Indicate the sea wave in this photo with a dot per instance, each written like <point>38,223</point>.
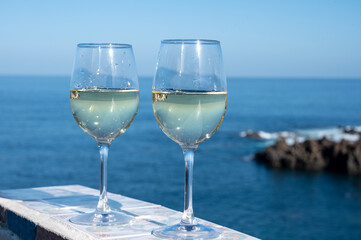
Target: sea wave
<point>336,134</point>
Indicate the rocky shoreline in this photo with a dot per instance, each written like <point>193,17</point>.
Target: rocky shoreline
<point>321,154</point>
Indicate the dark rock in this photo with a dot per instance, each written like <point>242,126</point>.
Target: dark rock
<point>349,130</point>
<point>317,155</point>
<point>254,135</point>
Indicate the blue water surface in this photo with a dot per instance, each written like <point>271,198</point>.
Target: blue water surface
<point>41,145</point>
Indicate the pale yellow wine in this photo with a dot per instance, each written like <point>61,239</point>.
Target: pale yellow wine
<point>189,118</point>
<point>104,114</point>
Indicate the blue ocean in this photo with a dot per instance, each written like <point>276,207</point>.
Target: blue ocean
<point>41,145</point>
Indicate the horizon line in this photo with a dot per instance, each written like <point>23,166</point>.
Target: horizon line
<point>228,77</point>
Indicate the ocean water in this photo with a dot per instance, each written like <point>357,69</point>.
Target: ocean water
<point>41,145</point>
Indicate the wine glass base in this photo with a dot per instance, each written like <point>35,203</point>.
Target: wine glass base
<point>98,219</point>
<point>181,231</point>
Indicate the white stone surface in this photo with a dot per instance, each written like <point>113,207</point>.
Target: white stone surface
<point>51,208</point>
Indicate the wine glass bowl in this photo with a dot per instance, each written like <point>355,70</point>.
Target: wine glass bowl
<point>189,103</point>
<point>189,118</point>
<point>104,114</point>
<point>104,99</point>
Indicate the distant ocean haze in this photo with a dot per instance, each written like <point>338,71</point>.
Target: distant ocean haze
<point>41,145</point>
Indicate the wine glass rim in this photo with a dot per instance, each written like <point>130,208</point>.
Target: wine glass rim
<point>190,41</point>
<point>104,45</point>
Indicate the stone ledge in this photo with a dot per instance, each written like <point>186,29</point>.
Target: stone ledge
<point>42,233</point>
<point>21,226</point>
<point>43,213</point>
<point>30,225</point>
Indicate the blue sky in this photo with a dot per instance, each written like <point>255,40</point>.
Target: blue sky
<point>318,38</point>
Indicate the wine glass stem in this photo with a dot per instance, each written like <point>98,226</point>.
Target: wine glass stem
<point>188,216</point>
<point>103,206</point>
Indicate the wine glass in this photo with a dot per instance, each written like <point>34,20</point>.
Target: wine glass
<point>189,102</point>
<point>104,99</point>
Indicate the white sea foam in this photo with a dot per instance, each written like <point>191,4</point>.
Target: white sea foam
<point>335,134</point>
<point>266,135</point>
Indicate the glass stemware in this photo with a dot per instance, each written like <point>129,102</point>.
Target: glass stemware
<point>104,99</point>
<point>189,102</point>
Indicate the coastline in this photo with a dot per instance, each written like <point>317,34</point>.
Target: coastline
<point>336,150</point>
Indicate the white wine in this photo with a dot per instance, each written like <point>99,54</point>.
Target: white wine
<point>188,117</point>
<point>104,114</point>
